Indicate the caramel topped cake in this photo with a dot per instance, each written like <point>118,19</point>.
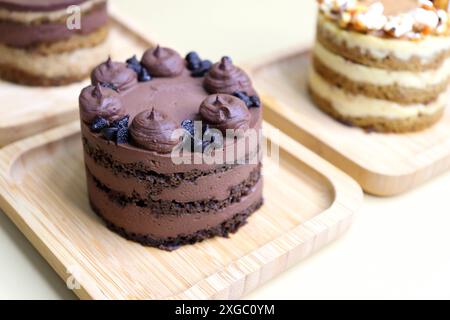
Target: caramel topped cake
<point>382,65</point>
<point>51,42</point>
<point>147,126</point>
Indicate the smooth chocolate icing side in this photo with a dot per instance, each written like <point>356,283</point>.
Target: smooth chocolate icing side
<point>154,131</point>
<point>38,5</point>
<point>98,101</point>
<point>224,77</point>
<point>116,74</point>
<point>25,35</point>
<point>163,62</point>
<point>224,112</point>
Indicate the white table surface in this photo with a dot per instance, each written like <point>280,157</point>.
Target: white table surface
<point>397,248</point>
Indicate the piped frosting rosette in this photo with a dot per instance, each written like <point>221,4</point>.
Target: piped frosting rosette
<point>163,62</point>
<point>115,74</point>
<point>153,130</point>
<point>96,101</point>
<point>225,77</point>
<point>225,112</point>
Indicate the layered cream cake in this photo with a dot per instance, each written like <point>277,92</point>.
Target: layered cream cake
<point>382,65</point>
<point>51,42</point>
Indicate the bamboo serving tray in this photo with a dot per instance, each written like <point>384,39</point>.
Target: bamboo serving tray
<point>308,203</point>
<point>29,110</point>
<point>383,164</point>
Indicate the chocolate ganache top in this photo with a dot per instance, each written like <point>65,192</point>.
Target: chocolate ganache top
<point>173,94</point>
<point>38,5</point>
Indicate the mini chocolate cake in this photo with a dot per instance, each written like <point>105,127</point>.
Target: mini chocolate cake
<point>51,42</point>
<point>148,124</point>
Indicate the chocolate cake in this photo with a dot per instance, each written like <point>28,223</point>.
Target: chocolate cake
<point>148,127</point>
<point>382,65</point>
<point>51,42</point>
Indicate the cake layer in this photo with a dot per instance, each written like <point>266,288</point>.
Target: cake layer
<point>22,66</point>
<point>20,35</point>
<point>142,221</point>
<point>169,174</point>
<point>40,15</point>
<point>378,124</point>
<point>361,84</point>
<point>38,5</point>
<point>226,228</point>
<point>381,77</point>
<point>384,53</point>
<point>68,45</point>
<point>362,106</point>
<point>195,187</point>
<point>173,207</point>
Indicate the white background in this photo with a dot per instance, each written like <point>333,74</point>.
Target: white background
<point>397,248</point>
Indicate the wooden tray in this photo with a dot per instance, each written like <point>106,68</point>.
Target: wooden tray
<point>308,204</point>
<point>26,110</point>
<point>384,164</point>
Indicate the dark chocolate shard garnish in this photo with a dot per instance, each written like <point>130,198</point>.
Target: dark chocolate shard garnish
<point>99,124</point>
<point>110,134</point>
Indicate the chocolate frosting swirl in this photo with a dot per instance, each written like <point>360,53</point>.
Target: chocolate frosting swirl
<point>116,74</point>
<point>153,130</point>
<point>224,77</point>
<point>98,101</point>
<point>223,111</point>
<point>163,62</point>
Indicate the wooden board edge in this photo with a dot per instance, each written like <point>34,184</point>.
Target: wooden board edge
<point>246,274</point>
<point>51,122</point>
<point>296,244</point>
<point>10,202</point>
<point>377,183</point>
<point>127,23</point>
